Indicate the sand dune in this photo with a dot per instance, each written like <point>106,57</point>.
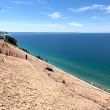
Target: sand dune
<point>27,85</point>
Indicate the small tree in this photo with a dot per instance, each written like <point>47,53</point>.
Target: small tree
<point>11,40</point>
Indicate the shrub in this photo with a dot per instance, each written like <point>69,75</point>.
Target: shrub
<point>24,50</point>
<point>39,57</point>
<point>11,40</point>
<point>0,50</point>
<point>1,37</point>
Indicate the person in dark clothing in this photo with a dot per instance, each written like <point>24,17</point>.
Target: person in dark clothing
<point>26,57</point>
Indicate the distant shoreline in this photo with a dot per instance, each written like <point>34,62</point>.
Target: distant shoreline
<point>67,32</point>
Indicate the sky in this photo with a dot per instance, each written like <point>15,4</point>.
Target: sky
<point>88,16</point>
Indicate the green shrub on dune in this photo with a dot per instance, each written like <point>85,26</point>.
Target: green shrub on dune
<point>11,40</point>
<point>39,57</point>
<point>24,50</point>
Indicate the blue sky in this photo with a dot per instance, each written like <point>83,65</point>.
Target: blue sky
<point>55,15</point>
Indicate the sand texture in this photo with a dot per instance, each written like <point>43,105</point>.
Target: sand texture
<point>27,85</point>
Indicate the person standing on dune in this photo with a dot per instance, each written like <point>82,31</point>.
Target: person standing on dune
<point>26,56</point>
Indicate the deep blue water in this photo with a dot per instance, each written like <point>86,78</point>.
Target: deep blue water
<point>85,55</point>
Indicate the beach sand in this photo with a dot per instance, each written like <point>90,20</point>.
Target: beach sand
<point>27,85</point>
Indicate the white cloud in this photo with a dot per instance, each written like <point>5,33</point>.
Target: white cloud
<point>92,7</point>
<point>54,15</point>
<point>38,3</point>
<point>100,7</point>
<point>27,2</point>
<point>75,24</point>
<point>108,9</point>
<point>19,2</point>
<point>83,9</point>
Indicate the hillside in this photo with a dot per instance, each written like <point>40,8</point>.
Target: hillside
<point>27,85</point>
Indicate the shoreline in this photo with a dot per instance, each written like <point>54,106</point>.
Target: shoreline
<point>47,82</point>
<point>99,87</point>
<point>84,81</point>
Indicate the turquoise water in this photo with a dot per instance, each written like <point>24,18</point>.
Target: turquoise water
<point>85,55</point>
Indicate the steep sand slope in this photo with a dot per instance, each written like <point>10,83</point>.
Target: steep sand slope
<point>27,85</point>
